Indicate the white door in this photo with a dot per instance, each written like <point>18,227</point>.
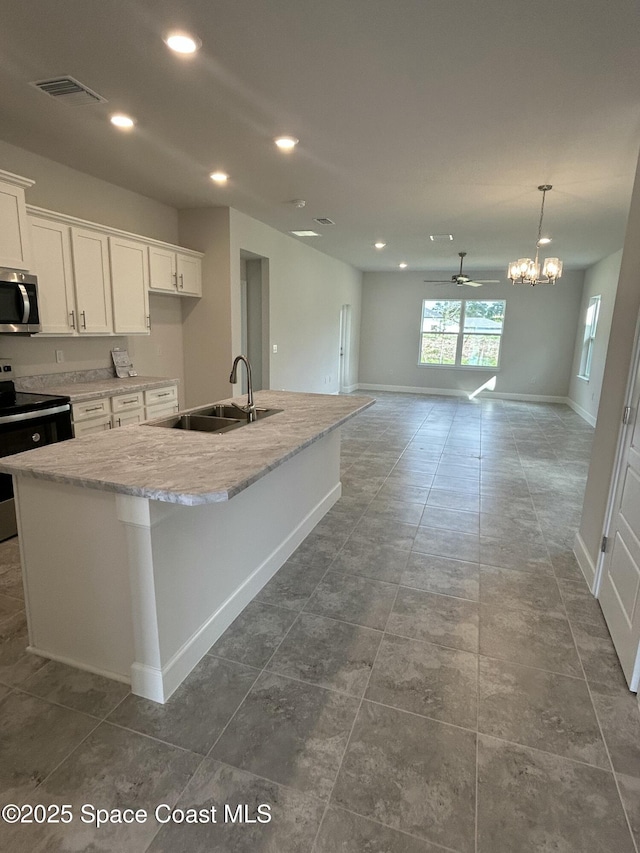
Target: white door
<point>620,589</point>
<point>93,286</point>
<point>51,242</point>
<point>345,348</point>
<point>130,285</point>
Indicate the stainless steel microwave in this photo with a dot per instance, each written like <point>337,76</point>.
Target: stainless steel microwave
<point>18,303</point>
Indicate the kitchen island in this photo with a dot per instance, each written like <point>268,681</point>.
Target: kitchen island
<point>141,545</point>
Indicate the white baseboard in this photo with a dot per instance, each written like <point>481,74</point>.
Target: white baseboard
<point>587,566</point>
<point>349,389</point>
<point>114,676</point>
<point>158,684</point>
<point>584,414</point>
<point>456,392</point>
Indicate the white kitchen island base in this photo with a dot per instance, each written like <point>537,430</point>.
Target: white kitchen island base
<point>138,589</point>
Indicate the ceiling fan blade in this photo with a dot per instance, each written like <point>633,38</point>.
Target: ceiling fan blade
<point>436,281</point>
<point>488,280</point>
<point>473,283</point>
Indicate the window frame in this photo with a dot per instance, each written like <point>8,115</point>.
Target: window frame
<point>590,330</point>
<point>460,336</point>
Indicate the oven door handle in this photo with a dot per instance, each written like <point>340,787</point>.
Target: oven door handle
<point>26,304</point>
<point>32,416</point>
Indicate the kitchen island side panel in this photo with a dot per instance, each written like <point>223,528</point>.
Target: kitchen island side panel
<point>76,576</point>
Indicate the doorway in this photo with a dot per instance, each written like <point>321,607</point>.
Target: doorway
<point>254,307</point>
<point>344,352</point>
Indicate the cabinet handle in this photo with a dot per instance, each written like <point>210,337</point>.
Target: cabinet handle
<point>164,394</point>
<point>126,402</point>
<point>175,279</point>
<point>181,281</point>
<point>73,319</point>
<point>84,320</point>
<point>119,422</point>
<point>148,321</point>
<point>94,409</point>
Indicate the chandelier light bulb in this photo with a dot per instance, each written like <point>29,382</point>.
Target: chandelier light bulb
<point>527,271</point>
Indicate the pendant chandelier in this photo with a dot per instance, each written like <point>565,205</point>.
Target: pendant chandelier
<point>527,271</point>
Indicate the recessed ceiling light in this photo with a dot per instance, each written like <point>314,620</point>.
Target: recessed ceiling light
<point>402,265</point>
<point>286,143</point>
<point>437,238</point>
<point>122,121</point>
<point>305,233</point>
<point>379,244</point>
<point>219,177</point>
<point>182,43</point>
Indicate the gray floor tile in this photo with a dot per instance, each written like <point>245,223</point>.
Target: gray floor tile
<point>514,589</point>
<point>564,563</point>
<point>523,528</point>
<point>349,833</point>
<point>197,712</point>
<point>10,606</point>
<point>442,575</point>
<point>10,569</point>
<point>16,663</point>
<point>515,554</point>
<point>34,738</point>
<point>328,653</point>
<point>292,733</point>
<point>529,637</point>
<point>630,793</point>
<point>464,472</point>
<point>458,484</point>
<point>451,519</point>
<point>580,604</point>
<point>514,508</point>
<point>318,550</point>
<point>620,720</point>
<point>295,817</point>
<point>389,509</point>
<point>392,534</point>
<point>112,769</point>
<point>530,801</point>
<point>598,657</point>
<point>255,635</point>
<point>539,709</point>
<point>447,543</point>
<point>402,492</point>
<point>74,688</point>
<point>372,560</point>
<point>352,598</point>
<point>412,774</point>
<point>462,501</point>
<point>4,691</point>
<point>291,586</point>
<point>426,679</point>
<point>439,619</point>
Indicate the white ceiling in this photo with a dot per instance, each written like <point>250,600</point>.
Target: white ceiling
<point>414,117</point>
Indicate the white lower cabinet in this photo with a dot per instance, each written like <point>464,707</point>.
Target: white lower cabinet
<point>118,410</point>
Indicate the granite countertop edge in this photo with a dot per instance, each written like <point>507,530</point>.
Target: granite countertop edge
<point>81,391</point>
<point>24,467</point>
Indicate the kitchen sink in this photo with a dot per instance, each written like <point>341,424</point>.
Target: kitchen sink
<point>216,419</point>
<point>226,411</point>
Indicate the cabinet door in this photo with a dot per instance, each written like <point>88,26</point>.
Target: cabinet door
<point>15,248</point>
<point>162,269</point>
<point>93,286</point>
<point>129,285</point>
<point>51,244</point>
<point>189,275</point>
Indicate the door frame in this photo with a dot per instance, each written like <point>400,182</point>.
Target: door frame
<point>344,349</point>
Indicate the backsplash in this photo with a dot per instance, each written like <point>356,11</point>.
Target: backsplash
<point>48,380</point>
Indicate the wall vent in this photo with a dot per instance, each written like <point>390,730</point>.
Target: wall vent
<point>70,91</point>
<point>323,220</point>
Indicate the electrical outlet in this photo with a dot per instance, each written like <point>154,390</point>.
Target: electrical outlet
<point>59,356</point>
<point>274,348</point>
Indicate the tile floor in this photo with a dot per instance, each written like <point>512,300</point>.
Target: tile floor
<point>428,672</point>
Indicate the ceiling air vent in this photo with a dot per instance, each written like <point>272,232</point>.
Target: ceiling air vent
<point>322,220</point>
<point>70,91</point>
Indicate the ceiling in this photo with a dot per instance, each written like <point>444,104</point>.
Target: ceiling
<point>414,117</point>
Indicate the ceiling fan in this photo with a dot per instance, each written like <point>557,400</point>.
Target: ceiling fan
<point>461,278</point>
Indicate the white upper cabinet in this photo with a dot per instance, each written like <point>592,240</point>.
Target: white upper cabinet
<point>130,286</point>
<point>51,244</point>
<point>174,272</point>
<point>15,246</point>
<point>92,279</point>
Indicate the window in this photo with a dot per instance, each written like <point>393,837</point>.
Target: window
<point>461,332</point>
<point>590,326</point>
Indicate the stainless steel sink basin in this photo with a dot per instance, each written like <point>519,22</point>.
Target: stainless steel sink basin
<point>200,423</point>
<point>215,419</point>
<point>227,411</point>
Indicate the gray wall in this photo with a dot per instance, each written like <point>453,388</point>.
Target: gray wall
<point>600,280</point>
<point>537,347</point>
<point>616,373</point>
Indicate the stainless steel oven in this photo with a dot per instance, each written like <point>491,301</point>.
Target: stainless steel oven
<point>27,421</point>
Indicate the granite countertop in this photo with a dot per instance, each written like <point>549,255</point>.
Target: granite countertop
<point>80,391</point>
<point>188,467</point>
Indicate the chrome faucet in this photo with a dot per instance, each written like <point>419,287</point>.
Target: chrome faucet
<point>250,409</point>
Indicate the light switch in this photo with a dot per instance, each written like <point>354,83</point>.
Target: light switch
<point>274,348</point>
